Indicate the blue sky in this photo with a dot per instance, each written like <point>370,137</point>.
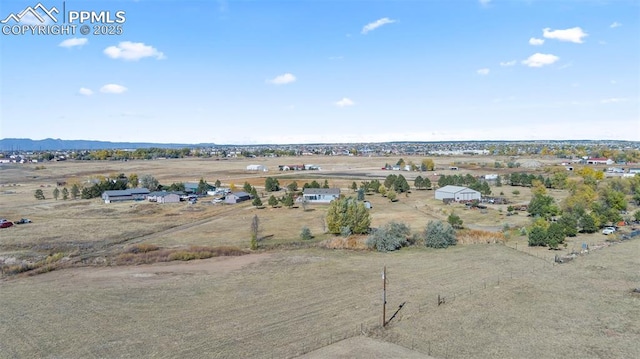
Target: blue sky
<point>243,72</point>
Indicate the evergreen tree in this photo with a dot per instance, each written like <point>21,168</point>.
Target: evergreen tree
<point>39,194</point>
<point>287,200</point>
<point>271,184</point>
<point>305,234</point>
<point>75,191</point>
<point>555,235</point>
<point>65,193</point>
<point>400,185</point>
<point>537,236</point>
<point>257,201</point>
<point>455,221</point>
<point>56,193</point>
<point>273,201</point>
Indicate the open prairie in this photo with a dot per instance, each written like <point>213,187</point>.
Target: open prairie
<point>290,298</point>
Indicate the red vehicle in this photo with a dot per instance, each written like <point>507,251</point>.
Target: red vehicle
<point>6,224</point>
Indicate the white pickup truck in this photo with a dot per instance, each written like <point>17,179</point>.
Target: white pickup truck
<point>608,230</point>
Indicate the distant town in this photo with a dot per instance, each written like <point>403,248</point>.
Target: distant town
<point>617,152</point>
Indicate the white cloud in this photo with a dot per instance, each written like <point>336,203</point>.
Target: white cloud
<point>615,24</point>
<point>536,42</point>
<point>376,24</point>
<point>574,34</point>
<point>133,51</point>
<point>85,91</point>
<point>283,79</point>
<point>113,88</point>
<point>73,42</point>
<point>484,71</point>
<point>484,2</point>
<point>614,100</point>
<point>508,63</point>
<point>345,102</point>
<point>539,60</point>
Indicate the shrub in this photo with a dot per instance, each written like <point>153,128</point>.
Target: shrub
<point>305,235</point>
<point>439,235</point>
<point>455,221</point>
<point>537,236</point>
<point>390,237</point>
<point>142,248</point>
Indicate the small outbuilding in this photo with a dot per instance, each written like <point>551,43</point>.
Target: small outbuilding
<point>164,197</point>
<point>457,193</point>
<point>132,194</point>
<point>257,168</point>
<point>237,197</point>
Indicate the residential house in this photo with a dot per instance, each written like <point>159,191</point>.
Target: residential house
<point>320,195</point>
<point>192,187</point>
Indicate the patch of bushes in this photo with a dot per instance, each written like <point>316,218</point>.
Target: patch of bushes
<point>47,264</point>
<point>438,234</point>
<point>142,248</point>
<point>149,253</point>
<point>475,236</point>
<point>390,237</point>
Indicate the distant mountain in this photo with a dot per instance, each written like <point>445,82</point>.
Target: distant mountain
<point>51,144</point>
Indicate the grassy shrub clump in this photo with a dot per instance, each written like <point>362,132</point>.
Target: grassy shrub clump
<point>142,248</point>
<point>439,235</point>
<point>390,237</point>
<point>149,253</point>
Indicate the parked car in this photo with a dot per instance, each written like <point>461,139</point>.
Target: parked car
<point>23,221</point>
<point>6,224</point>
<point>608,230</point>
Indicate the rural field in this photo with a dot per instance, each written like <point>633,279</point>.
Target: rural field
<point>292,298</point>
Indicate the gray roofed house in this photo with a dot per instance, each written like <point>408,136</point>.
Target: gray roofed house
<point>320,195</point>
<point>125,195</point>
<point>237,197</point>
<point>192,187</point>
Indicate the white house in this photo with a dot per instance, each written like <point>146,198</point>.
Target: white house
<point>457,193</point>
<point>320,195</point>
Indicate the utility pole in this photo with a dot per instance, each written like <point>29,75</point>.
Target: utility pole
<point>384,296</point>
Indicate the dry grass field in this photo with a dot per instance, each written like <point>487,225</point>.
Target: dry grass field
<point>289,299</point>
